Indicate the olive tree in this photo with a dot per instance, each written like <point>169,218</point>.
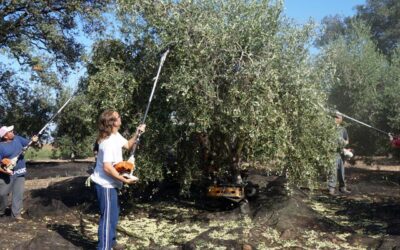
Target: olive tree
<point>238,89</point>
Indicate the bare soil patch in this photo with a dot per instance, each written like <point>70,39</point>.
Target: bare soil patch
<point>61,213</point>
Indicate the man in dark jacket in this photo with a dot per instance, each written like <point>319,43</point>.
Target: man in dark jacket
<point>337,172</point>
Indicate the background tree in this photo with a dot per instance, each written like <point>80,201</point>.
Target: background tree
<point>333,28</point>
<point>41,37</point>
<point>390,109</point>
<point>365,78</point>
<point>74,135</point>
<point>382,16</point>
<point>112,78</point>
<point>23,107</point>
<point>361,86</point>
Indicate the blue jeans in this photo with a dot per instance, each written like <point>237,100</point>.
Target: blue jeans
<point>337,173</point>
<point>109,212</point>
<point>16,186</point>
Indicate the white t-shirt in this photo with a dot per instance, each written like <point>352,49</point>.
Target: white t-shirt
<point>110,150</point>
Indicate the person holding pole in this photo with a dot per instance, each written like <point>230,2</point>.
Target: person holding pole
<point>337,172</point>
<point>106,178</point>
<point>12,170</point>
<point>394,141</point>
<point>13,167</point>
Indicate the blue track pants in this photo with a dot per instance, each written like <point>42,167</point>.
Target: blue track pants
<point>109,212</point>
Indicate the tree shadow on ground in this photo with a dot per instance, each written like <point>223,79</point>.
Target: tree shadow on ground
<point>71,234</point>
<point>373,206</point>
<point>369,216</point>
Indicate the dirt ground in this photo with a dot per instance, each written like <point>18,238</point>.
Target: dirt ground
<point>61,213</point>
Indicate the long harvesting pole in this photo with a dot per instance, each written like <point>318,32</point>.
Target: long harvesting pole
<point>363,123</point>
<point>162,60</point>
<point>163,57</point>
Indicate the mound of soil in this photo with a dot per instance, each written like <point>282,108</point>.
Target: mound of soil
<point>46,240</point>
<point>57,169</point>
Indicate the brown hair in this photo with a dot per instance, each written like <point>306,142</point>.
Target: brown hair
<point>106,124</point>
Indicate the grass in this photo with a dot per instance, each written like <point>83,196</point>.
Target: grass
<point>44,153</point>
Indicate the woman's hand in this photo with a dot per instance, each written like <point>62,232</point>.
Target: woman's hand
<point>141,128</point>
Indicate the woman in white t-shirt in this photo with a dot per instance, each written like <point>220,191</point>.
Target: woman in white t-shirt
<point>106,178</point>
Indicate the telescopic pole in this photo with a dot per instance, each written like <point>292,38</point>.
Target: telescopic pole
<point>15,159</point>
<point>51,119</point>
<point>362,123</point>
<point>163,57</point>
<point>162,60</point>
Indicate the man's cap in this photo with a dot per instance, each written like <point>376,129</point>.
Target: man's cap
<point>336,114</point>
<point>4,130</point>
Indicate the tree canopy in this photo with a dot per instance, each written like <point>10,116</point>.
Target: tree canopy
<point>238,89</point>
<point>41,38</point>
<point>382,16</point>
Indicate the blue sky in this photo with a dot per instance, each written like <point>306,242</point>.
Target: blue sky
<point>302,10</point>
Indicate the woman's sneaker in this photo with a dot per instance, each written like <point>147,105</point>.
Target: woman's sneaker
<point>345,190</point>
<point>18,218</point>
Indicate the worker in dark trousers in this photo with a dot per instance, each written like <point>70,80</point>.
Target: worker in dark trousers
<point>337,171</point>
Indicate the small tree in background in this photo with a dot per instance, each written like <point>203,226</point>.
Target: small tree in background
<point>363,85</point>
<point>74,135</point>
